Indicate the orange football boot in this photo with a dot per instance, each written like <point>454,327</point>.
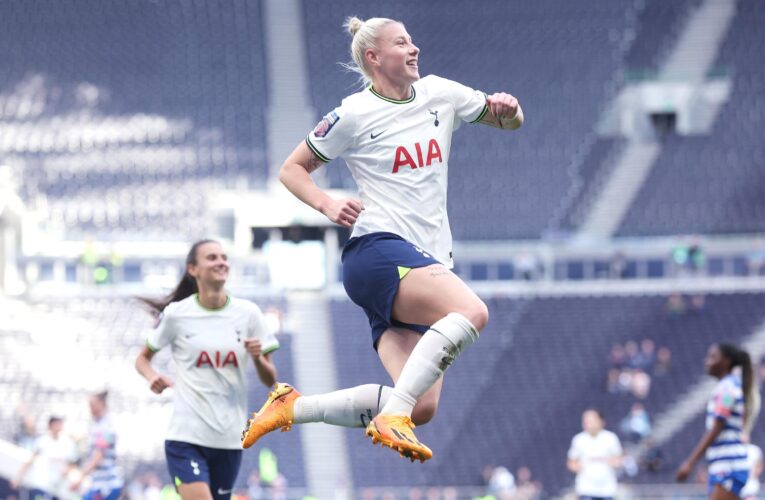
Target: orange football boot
<point>395,431</point>
<point>276,412</point>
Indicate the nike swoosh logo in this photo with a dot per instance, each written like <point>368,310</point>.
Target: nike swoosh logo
<point>223,492</point>
<point>372,135</point>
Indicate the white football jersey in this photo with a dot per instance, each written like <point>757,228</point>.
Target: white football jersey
<point>210,400</point>
<point>398,154</point>
<point>597,478</point>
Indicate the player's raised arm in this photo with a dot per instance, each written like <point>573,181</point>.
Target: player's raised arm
<point>504,112</point>
<point>295,174</point>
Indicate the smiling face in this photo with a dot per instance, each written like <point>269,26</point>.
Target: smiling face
<point>211,267</point>
<point>395,57</point>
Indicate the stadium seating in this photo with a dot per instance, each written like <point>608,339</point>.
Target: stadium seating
<point>516,397</point>
<point>127,101</point>
<point>713,184</point>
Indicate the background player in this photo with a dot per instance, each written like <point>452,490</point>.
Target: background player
<point>210,334</point>
<point>106,478</point>
<point>729,410</point>
<point>594,456</point>
<point>395,137</point>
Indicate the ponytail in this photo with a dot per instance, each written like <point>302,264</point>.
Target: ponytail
<point>740,357</point>
<point>185,288</point>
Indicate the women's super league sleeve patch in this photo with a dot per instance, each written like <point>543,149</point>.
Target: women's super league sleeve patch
<point>325,125</point>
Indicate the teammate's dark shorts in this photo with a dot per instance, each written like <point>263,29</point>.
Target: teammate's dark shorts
<point>188,463</point>
<point>373,266</point>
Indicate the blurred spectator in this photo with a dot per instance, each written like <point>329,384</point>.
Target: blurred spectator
<point>26,429</point>
<point>675,305</point>
<point>653,458</point>
<point>525,487</point>
<point>618,266</point>
<point>663,361</point>
<point>637,424</point>
<point>616,361</point>
<point>501,483</point>
<point>755,260</point>
<point>632,353</point>
<point>647,355</point>
<point>698,301</point>
<point>527,265</point>
<point>689,259</point>
<point>254,489</point>
<point>640,384</point>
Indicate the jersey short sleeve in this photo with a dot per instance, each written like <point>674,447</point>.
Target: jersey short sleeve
<point>575,452</point>
<point>258,329</point>
<point>469,105</point>
<point>616,446</point>
<point>332,135</point>
<point>163,334</point>
<point>724,401</point>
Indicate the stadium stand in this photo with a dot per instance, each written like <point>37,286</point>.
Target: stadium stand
<point>712,184</point>
<point>103,109</point>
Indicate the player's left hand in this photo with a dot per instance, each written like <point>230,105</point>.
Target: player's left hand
<point>502,105</point>
<point>684,471</point>
<point>254,347</point>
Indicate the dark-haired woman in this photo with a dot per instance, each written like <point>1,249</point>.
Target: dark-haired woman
<point>729,412</point>
<point>105,475</point>
<point>210,334</point>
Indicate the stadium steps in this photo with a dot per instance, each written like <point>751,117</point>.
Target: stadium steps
<point>629,174</point>
<point>290,115</point>
<point>314,367</point>
<point>696,49</point>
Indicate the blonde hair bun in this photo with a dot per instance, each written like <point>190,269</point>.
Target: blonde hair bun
<point>353,24</point>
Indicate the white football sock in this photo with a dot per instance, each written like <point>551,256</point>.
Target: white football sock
<point>432,355</point>
<point>354,407</point>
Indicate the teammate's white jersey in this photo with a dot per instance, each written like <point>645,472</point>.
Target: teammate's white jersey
<point>398,154</point>
<point>597,477</point>
<point>210,400</point>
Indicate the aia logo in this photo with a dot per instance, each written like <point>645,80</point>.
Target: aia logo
<point>404,158</point>
<point>216,361</point>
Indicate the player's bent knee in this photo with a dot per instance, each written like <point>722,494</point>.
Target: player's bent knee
<point>478,314</point>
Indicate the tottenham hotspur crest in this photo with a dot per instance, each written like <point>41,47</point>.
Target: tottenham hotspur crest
<point>435,114</point>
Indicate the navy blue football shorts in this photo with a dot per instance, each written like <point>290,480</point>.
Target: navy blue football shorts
<point>373,266</point>
<point>189,463</point>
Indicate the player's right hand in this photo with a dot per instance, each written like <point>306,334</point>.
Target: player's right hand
<point>159,384</point>
<point>344,212</point>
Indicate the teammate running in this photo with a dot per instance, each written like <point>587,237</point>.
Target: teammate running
<point>211,334</point>
<point>729,411</point>
<point>395,137</point>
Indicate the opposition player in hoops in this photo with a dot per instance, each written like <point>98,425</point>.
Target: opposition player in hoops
<point>730,411</point>
<point>101,465</point>
<point>395,137</point>
<point>211,335</point>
